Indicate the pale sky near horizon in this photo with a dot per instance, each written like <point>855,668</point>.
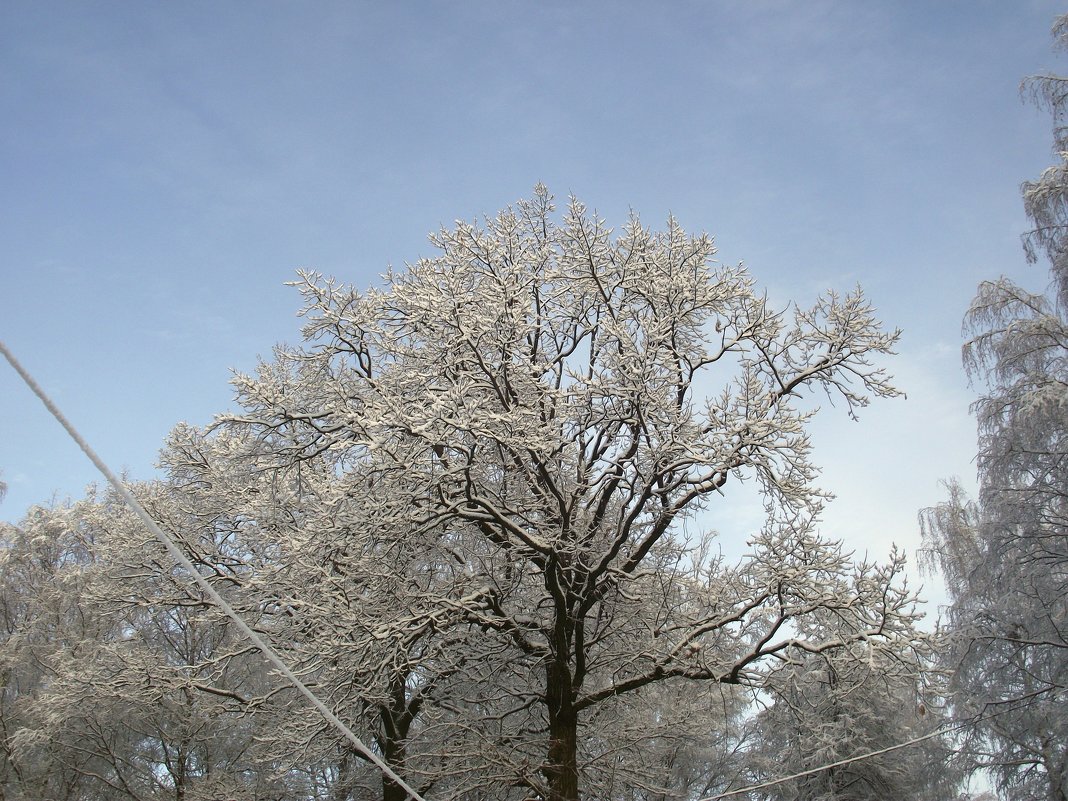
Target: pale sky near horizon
<point>167,167</point>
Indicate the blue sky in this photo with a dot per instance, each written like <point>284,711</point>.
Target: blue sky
<point>168,166</point>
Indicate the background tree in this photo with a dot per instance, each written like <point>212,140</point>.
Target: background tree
<point>1005,555</point>
<point>827,707</point>
<point>43,568</point>
<point>122,683</point>
<point>357,597</point>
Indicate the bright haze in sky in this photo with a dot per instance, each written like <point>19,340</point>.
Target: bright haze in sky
<point>167,168</point>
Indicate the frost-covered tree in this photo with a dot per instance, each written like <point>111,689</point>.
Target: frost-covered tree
<point>42,573</point>
<point>1005,554</point>
<point>557,400</point>
<point>120,681</point>
<point>364,601</point>
<point>825,708</point>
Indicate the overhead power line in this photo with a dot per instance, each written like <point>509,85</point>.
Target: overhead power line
<point>829,765</point>
<point>1010,705</point>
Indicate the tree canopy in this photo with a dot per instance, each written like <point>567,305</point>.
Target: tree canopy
<point>457,510</point>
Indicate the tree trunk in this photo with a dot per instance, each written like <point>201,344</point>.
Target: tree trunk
<point>393,755</point>
<point>396,722</point>
<point>1055,761</point>
<point>561,769</point>
<point>1058,785</point>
